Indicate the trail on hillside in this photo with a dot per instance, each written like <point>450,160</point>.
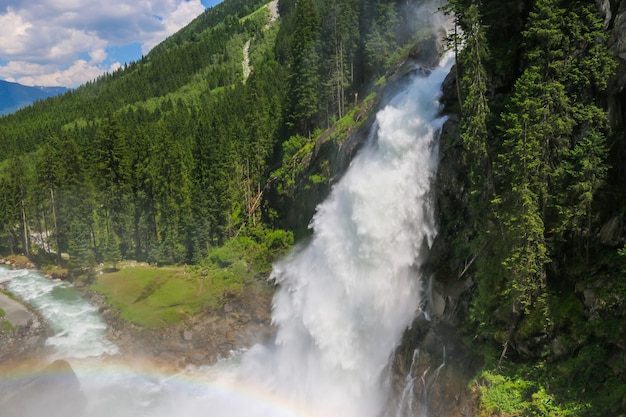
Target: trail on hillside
<point>273,9</point>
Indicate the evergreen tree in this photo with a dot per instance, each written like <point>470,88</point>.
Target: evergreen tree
<point>551,159</point>
<point>112,253</point>
<point>75,198</point>
<point>48,180</point>
<point>381,39</point>
<point>80,249</point>
<point>522,165</point>
<point>304,83</point>
<point>113,174</point>
<point>18,190</point>
<point>475,110</point>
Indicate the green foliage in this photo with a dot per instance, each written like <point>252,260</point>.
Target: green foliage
<point>304,84</point>
<point>296,150</point>
<point>112,253</point>
<point>80,250</point>
<point>571,387</point>
<point>475,109</point>
<point>543,165</point>
<point>378,43</point>
<point>5,325</point>
<point>507,397</point>
<point>252,252</point>
<point>170,155</point>
<point>535,143</point>
<point>291,146</point>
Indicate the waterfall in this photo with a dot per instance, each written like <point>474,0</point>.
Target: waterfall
<point>344,298</point>
<point>405,407</point>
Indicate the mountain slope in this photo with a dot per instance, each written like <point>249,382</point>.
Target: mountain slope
<point>169,157</point>
<point>14,96</point>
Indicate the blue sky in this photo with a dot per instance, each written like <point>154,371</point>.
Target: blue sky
<point>69,42</point>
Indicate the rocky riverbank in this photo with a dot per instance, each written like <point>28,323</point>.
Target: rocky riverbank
<point>23,330</point>
<point>20,338</point>
<point>200,339</point>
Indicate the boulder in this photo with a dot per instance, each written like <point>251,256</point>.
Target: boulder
<point>52,392</point>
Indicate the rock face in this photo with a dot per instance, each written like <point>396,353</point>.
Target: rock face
<point>52,392</point>
<point>614,12</point>
<point>333,151</point>
<point>432,365</point>
<point>22,331</point>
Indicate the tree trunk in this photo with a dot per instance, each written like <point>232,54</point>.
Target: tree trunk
<point>56,228</point>
<point>25,225</point>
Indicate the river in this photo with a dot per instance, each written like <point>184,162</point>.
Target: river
<point>78,330</point>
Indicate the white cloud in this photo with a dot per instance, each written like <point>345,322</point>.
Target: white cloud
<point>182,13</point>
<point>66,41</point>
<point>97,55</point>
<point>78,73</point>
<point>13,34</point>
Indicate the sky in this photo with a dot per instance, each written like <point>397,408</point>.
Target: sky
<point>69,42</point>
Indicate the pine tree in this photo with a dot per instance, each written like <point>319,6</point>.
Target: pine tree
<point>80,248</point>
<point>524,178</point>
<point>113,175</point>
<point>19,193</point>
<point>112,253</point>
<point>48,181</point>
<point>304,80</point>
<point>475,110</point>
<point>551,160</point>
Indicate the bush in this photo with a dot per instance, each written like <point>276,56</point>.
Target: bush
<point>514,396</point>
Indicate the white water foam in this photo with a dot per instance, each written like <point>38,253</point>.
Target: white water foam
<point>345,298</point>
<point>78,330</point>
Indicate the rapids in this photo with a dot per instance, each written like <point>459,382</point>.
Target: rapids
<point>79,332</point>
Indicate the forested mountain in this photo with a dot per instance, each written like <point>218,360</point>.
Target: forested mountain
<point>168,156</point>
<point>14,96</point>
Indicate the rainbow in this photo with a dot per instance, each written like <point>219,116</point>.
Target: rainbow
<point>138,387</point>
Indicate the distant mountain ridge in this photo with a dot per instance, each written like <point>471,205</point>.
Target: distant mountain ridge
<point>14,96</point>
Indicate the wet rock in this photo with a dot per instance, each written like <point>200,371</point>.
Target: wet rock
<point>199,357</point>
<point>52,392</point>
<point>22,338</point>
<point>438,305</point>
<point>589,298</point>
<point>430,372</point>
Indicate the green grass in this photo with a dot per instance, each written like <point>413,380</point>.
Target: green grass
<point>261,14</point>
<point>155,297</point>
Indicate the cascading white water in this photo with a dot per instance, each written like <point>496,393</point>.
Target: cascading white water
<point>78,330</point>
<point>344,299</point>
